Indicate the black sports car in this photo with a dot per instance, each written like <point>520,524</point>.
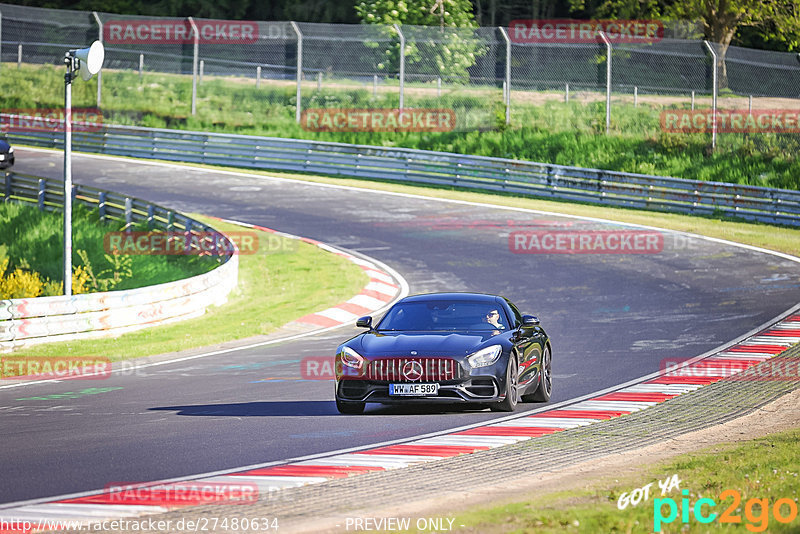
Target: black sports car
<point>446,347</point>
<point>6,154</point>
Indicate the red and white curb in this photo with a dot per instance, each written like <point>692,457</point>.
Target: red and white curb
<point>268,480</point>
<point>382,288</point>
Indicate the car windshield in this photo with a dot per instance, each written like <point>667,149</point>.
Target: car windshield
<point>444,315</point>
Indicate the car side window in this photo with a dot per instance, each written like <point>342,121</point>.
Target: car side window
<point>517,314</point>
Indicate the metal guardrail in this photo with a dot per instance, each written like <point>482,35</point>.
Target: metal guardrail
<point>44,319</point>
<point>763,204</point>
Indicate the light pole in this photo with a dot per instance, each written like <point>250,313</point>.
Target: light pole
<point>88,61</point>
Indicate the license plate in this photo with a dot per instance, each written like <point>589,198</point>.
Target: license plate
<point>414,390</point>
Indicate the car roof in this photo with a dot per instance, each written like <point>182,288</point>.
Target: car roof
<point>472,297</point>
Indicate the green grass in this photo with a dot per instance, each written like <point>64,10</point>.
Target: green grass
<point>33,240</point>
<point>542,130</point>
<point>275,287</point>
<point>764,468</point>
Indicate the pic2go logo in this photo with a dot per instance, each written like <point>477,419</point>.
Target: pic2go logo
<point>756,511</point>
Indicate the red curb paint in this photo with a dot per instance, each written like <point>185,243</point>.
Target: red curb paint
<point>584,414</point>
<point>426,450</point>
<point>769,349</point>
<point>329,471</point>
<point>636,397</point>
<point>531,431</point>
<point>703,380</point>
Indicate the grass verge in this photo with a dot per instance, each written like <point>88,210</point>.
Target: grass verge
<point>759,474</point>
<point>275,287</point>
<point>542,129</point>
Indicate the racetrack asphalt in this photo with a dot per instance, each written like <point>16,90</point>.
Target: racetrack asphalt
<point>611,318</point>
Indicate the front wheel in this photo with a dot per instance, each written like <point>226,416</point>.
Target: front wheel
<point>545,389</point>
<point>512,389</point>
<point>350,408</point>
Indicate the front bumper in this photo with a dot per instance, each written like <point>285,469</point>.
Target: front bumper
<point>475,389</point>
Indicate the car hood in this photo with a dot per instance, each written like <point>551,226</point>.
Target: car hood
<point>4,146</point>
<point>372,344</point>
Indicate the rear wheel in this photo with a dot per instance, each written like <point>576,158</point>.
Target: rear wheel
<point>542,393</point>
<point>350,408</point>
<point>512,388</point>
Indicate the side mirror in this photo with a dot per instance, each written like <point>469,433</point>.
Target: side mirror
<point>529,321</point>
<point>364,322</point>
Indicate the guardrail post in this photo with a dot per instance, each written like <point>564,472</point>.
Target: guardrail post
<point>151,217</point>
<point>128,214</point>
<point>299,106</point>
<point>101,205</point>
<point>8,187</point>
<point>100,72</point>
<point>508,74</point>
<point>40,196</point>
<point>713,96</point>
<point>402,63</point>
<point>196,52</point>
<point>170,221</point>
<point>607,42</point>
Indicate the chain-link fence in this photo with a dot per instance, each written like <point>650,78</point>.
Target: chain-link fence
<point>166,72</point>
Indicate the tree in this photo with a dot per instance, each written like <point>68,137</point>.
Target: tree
<point>722,20</point>
<point>448,52</point>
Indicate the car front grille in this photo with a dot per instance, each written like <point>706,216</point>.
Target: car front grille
<point>433,369</point>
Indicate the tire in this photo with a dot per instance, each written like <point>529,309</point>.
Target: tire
<point>545,389</point>
<point>509,404</point>
<point>350,408</point>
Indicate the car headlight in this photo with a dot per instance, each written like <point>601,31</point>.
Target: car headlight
<point>485,357</point>
<point>351,358</point>
<point>11,150</point>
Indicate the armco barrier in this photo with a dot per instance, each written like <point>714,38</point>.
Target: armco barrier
<point>474,172</point>
<point>44,319</point>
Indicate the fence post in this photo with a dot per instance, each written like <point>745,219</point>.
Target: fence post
<point>402,62</point>
<point>101,205</point>
<point>202,71</point>
<point>375,86</point>
<point>299,106</point>
<point>19,56</point>
<point>608,80</point>
<point>692,100</point>
<point>258,77</point>
<point>141,66</point>
<point>40,196</point>
<point>508,74</point>
<point>713,96</point>
<point>100,72</point>
<point>196,52</point>
<point>566,93</point>
<point>635,96</point>
<point>128,214</point>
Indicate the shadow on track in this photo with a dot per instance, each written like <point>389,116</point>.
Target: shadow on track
<point>303,408</point>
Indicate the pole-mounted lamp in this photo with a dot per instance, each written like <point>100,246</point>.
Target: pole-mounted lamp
<point>88,61</point>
